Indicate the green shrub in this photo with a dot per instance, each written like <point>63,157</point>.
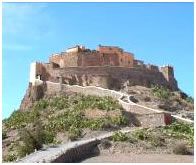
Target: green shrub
<point>30,143</point>
<point>74,115</point>
<point>190,100</point>
<point>34,139</point>
<point>10,158</point>
<point>41,104</point>
<point>180,130</point>
<point>120,120</point>
<point>156,141</point>
<point>160,92</point>
<point>103,103</point>
<point>18,119</point>
<point>4,134</point>
<point>74,133</point>
<point>141,135</point>
<point>119,136</point>
<point>60,102</point>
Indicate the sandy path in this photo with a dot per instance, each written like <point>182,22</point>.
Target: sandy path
<point>140,158</point>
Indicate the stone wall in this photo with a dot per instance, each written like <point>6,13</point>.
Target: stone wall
<point>77,153</point>
<point>103,57</point>
<point>65,59</point>
<point>110,77</point>
<point>154,119</point>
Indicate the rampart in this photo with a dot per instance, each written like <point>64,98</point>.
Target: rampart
<point>110,77</point>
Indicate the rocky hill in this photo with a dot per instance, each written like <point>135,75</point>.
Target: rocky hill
<point>68,116</point>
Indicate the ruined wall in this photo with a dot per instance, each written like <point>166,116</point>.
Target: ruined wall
<point>97,59</point>
<point>40,71</point>
<point>109,50</point>
<point>65,59</point>
<point>125,59</point>
<point>110,77</point>
<point>102,57</point>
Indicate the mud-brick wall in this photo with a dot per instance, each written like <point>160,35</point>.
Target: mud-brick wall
<point>65,59</point>
<point>93,58</point>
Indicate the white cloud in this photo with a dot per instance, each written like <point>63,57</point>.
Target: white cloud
<point>25,20</point>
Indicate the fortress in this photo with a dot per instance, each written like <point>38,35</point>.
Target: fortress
<point>108,67</point>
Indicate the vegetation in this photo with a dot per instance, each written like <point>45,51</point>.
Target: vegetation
<point>180,130</point>
<point>187,98</point>
<point>176,131</point>
<point>160,92</point>
<point>20,119</point>
<point>73,119</point>
<point>119,136</point>
<point>10,158</point>
<point>40,124</point>
<point>4,134</point>
<point>145,135</point>
<point>34,140</point>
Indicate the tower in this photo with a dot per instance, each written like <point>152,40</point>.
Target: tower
<point>168,72</point>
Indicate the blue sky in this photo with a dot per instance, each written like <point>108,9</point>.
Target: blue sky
<point>157,33</point>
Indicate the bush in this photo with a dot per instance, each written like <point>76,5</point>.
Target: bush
<point>74,133</point>
<point>19,119</point>
<point>119,136</point>
<point>74,115</point>
<point>180,149</point>
<point>103,103</point>
<point>141,135</point>
<point>32,140</point>
<point>180,130</point>
<point>10,158</point>
<point>41,104</point>
<point>60,102</point>
<point>190,100</point>
<point>30,143</point>
<point>156,141</point>
<point>4,134</point>
<point>161,92</point>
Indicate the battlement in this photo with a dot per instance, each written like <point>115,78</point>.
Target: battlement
<point>77,48</point>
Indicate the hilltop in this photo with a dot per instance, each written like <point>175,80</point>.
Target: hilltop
<point>65,117</point>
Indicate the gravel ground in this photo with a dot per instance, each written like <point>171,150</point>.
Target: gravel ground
<point>140,158</point>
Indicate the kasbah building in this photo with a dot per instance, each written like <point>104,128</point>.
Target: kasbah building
<point>108,67</point>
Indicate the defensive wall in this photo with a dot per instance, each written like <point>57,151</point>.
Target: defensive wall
<point>111,77</point>
<point>104,55</point>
